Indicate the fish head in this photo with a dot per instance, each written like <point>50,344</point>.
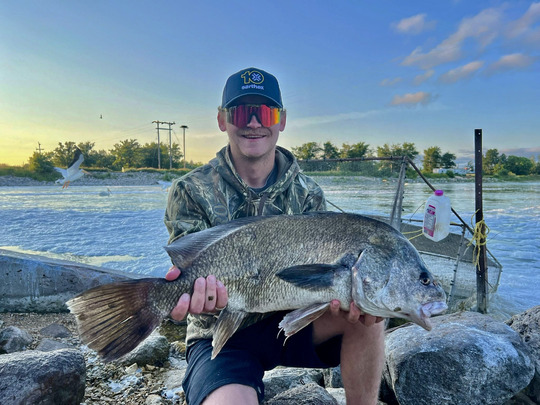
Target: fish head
<point>390,279</point>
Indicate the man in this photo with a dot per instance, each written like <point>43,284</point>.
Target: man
<point>253,176</point>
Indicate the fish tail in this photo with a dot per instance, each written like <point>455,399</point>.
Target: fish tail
<point>114,318</point>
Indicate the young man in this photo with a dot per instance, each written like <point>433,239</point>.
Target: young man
<point>253,176</point>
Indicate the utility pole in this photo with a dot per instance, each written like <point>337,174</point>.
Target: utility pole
<point>170,145</point>
<point>158,144</point>
<point>184,127</point>
<point>39,148</point>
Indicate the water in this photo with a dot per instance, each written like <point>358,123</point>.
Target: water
<point>125,230</point>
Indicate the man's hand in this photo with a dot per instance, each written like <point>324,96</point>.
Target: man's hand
<point>209,295</point>
<point>354,315</point>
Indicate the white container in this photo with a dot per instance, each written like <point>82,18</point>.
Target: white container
<point>437,216</point>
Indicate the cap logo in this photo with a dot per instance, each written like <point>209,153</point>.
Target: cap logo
<point>252,77</point>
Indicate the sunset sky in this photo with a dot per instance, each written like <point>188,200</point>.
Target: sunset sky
<point>350,71</point>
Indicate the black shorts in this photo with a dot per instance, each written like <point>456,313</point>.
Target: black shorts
<point>249,353</point>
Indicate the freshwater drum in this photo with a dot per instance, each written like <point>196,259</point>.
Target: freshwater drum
<point>437,216</point>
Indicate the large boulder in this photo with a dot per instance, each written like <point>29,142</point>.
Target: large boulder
<point>35,377</point>
<point>468,358</point>
<point>527,324</point>
<point>13,339</point>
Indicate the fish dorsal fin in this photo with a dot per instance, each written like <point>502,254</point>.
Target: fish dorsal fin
<point>227,323</point>
<point>302,317</point>
<point>311,276</point>
<point>184,250</point>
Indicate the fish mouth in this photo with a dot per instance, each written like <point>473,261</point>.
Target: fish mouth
<point>421,317</point>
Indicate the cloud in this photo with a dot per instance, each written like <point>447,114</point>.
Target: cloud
<point>484,27</point>
<point>414,25</point>
<point>329,119</point>
<point>462,72</point>
<point>524,25</point>
<point>391,82</point>
<point>423,77</point>
<point>411,99</point>
<point>509,62</point>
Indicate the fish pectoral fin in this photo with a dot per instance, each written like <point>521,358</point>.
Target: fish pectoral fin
<point>311,276</point>
<point>302,317</point>
<point>227,323</point>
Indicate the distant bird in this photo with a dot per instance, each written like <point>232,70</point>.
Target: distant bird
<point>101,116</point>
<point>73,172</point>
<point>105,193</point>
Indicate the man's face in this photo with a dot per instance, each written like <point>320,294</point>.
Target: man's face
<point>253,141</point>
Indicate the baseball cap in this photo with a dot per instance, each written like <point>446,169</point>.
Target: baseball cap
<point>251,81</point>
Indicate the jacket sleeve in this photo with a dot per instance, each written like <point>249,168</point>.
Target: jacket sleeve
<point>315,200</point>
<point>183,215</point>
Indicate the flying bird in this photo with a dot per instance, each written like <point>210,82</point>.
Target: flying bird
<point>73,172</point>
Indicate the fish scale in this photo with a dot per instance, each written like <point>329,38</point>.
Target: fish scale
<point>270,263</point>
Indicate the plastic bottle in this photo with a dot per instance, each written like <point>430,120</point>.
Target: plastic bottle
<point>437,216</point>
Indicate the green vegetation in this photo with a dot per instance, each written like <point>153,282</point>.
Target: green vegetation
<point>128,155</point>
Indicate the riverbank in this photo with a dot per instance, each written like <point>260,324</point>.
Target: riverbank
<point>141,178</point>
<point>107,179</point>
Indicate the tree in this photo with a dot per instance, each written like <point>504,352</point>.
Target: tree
<point>432,158</point>
<point>490,160</point>
<point>357,150</point>
<point>407,149</point>
<point>127,153</point>
<point>447,160</point>
<point>307,151</point>
<point>518,165</point>
<point>63,154</point>
<point>330,151</point>
<point>41,163</point>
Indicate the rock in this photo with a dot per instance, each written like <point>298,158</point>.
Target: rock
<point>34,377</point>
<point>13,339</point>
<point>282,379</point>
<point>55,330</point>
<point>332,378</point>
<point>154,400</point>
<point>309,394</point>
<point>49,345</point>
<point>154,350</point>
<point>338,394</point>
<point>527,324</point>
<point>467,358</point>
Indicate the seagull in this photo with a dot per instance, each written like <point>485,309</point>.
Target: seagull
<point>73,172</point>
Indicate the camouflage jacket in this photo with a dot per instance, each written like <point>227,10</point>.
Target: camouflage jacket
<point>214,194</point>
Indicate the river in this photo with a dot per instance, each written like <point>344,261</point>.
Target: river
<point>124,229</point>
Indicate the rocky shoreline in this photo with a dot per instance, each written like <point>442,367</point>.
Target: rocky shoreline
<point>139,178</point>
<point>466,358</point>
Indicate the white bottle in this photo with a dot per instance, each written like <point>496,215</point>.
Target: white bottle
<point>437,216</point>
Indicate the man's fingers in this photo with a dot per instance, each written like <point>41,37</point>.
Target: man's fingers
<point>222,296</point>
<point>211,295</point>
<point>198,298</point>
<point>179,312</point>
<point>172,274</point>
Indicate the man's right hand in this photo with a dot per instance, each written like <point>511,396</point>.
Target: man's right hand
<point>209,295</point>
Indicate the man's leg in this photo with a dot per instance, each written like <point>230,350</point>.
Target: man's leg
<point>232,394</point>
<point>362,351</point>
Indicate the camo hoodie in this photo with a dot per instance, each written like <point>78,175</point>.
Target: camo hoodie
<point>214,194</point>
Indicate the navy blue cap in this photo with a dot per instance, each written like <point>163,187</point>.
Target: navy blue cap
<point>251,81</point>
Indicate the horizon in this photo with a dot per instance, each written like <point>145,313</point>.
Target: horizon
<point>388,73</point>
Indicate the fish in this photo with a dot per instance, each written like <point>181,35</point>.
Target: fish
<point>270,263</point>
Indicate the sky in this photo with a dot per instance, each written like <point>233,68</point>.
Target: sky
<point>378,72</point>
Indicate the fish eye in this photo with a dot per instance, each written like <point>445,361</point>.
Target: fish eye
<point>425,279</point>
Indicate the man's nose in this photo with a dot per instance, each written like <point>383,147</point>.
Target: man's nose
<point>254,122</point>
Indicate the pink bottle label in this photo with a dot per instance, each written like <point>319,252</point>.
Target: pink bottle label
<point>429,220</point>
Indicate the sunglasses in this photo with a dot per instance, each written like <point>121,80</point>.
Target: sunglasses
<point>240,115</point>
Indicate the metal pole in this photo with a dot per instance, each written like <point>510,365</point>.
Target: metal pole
<point>184,127</point>
<point>480,238</point>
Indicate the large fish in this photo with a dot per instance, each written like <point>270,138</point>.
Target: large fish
<point>272,263</point>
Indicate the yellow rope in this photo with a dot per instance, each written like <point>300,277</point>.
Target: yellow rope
<point>479,237</point>
<point>419,232</point>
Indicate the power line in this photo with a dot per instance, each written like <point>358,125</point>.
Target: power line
<point>158,128</point>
